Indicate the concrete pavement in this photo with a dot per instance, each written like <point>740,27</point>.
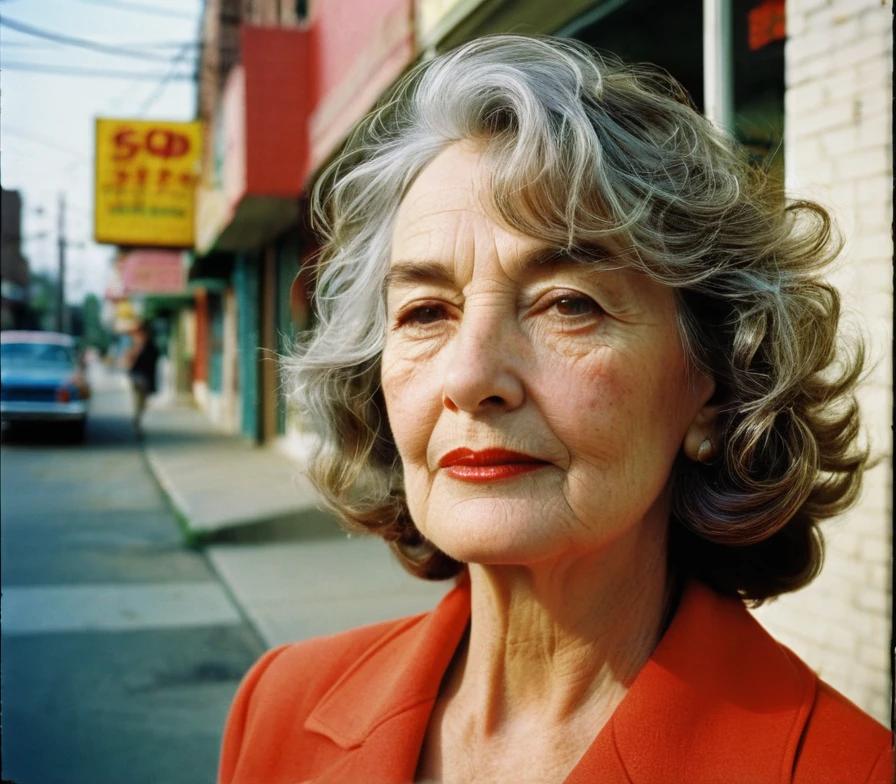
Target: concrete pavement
<point>216,481</point>
<point>121,649</point>
<point>289,566</point>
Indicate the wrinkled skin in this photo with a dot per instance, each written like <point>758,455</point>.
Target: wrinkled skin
<point>580,366</point>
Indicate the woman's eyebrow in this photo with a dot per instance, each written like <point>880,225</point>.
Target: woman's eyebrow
<point>411,272</point>
<point>415,271</point>
<point>542,258</point>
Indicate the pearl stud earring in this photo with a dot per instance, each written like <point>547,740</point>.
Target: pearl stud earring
<point>706,451</point>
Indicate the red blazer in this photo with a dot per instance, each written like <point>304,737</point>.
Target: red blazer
<point>718,701</point>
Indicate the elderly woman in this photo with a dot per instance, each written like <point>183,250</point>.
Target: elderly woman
<point>573,350</point>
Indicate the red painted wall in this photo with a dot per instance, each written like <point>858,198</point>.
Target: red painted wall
<point>360,48</point>
<point>346,27</point>
<point>279,93</point>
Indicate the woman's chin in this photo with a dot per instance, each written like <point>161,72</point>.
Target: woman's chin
<point>499,540</point>
<point>494,556</point>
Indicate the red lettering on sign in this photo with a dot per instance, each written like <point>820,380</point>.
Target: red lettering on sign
<point>126,146</point>
<point>164,177</point>
<point>158,142</point>
<point>766,24</point>
<point>166,144</point>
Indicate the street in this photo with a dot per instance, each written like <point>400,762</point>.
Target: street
<point>121,650</point>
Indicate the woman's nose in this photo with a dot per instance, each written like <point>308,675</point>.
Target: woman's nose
<point>483,374</point>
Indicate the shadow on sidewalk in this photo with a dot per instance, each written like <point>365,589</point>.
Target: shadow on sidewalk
<point>224,488</point>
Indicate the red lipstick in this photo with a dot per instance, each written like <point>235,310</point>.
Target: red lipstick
<point>488,465</point>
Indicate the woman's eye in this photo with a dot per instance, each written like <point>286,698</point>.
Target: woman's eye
<point>576,305</point>
<point>422,315</point>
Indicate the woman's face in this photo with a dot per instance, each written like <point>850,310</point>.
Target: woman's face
<point>537,403</point>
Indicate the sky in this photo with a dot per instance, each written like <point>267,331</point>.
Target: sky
<point>47,119</point>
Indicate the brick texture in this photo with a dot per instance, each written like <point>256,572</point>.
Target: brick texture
<point>838,77</point>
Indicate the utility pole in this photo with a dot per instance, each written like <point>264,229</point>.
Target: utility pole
<point>61,310</point>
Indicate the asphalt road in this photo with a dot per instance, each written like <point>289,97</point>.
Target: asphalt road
<point>121,650</point>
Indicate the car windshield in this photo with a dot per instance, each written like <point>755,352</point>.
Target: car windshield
<point>42,353</point>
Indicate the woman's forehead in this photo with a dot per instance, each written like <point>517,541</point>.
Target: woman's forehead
<point>448,212</point>
<point>453,186</point>
<point>447,226</point>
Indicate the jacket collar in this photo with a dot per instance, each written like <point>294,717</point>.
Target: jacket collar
<point>718,700</point>
<point>400,671</point>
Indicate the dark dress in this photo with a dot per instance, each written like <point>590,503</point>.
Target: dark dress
<point>143,369</point>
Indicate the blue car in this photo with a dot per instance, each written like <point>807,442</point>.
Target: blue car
<point>41,380</point>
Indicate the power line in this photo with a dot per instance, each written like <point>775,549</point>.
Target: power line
<point>199,66</point>
<point>41,163</point>
<point>83,43</point>
<point>34,138</point>
<point>44,45</point>
<point>103,73</point>
<point>157,92</point>
<point>141,8</point>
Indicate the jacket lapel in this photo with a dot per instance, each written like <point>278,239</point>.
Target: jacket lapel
<point>718,700</point>
<point>379,710</point>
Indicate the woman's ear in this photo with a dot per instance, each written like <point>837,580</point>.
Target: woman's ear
<point>701,441</point>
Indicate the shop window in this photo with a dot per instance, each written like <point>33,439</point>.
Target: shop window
<point>645,31</point>
<point>758,55</point>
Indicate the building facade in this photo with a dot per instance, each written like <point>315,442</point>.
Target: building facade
<point>255,89</point>
<point>14,273</point>
<point>837,143</point>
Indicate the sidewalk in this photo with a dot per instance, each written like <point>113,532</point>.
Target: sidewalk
<point>216,481</point>
<point>292,570</point>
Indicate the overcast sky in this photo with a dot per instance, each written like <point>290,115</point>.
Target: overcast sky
<point>46,119</point>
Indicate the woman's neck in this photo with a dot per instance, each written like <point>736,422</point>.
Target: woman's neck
<point>553,641</point>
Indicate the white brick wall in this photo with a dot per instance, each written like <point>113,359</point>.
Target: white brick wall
<point>837,150</point>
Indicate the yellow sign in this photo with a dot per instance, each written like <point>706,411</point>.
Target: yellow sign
<point>145,180</point>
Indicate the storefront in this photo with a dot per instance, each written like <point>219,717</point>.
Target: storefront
<point>249,201</point>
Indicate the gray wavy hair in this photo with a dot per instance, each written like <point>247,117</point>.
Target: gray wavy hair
<point>584,148</point>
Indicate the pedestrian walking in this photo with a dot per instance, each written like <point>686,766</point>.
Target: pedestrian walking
<point>142,360</point>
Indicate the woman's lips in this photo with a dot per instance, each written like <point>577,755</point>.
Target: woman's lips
<point>488,465</point>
